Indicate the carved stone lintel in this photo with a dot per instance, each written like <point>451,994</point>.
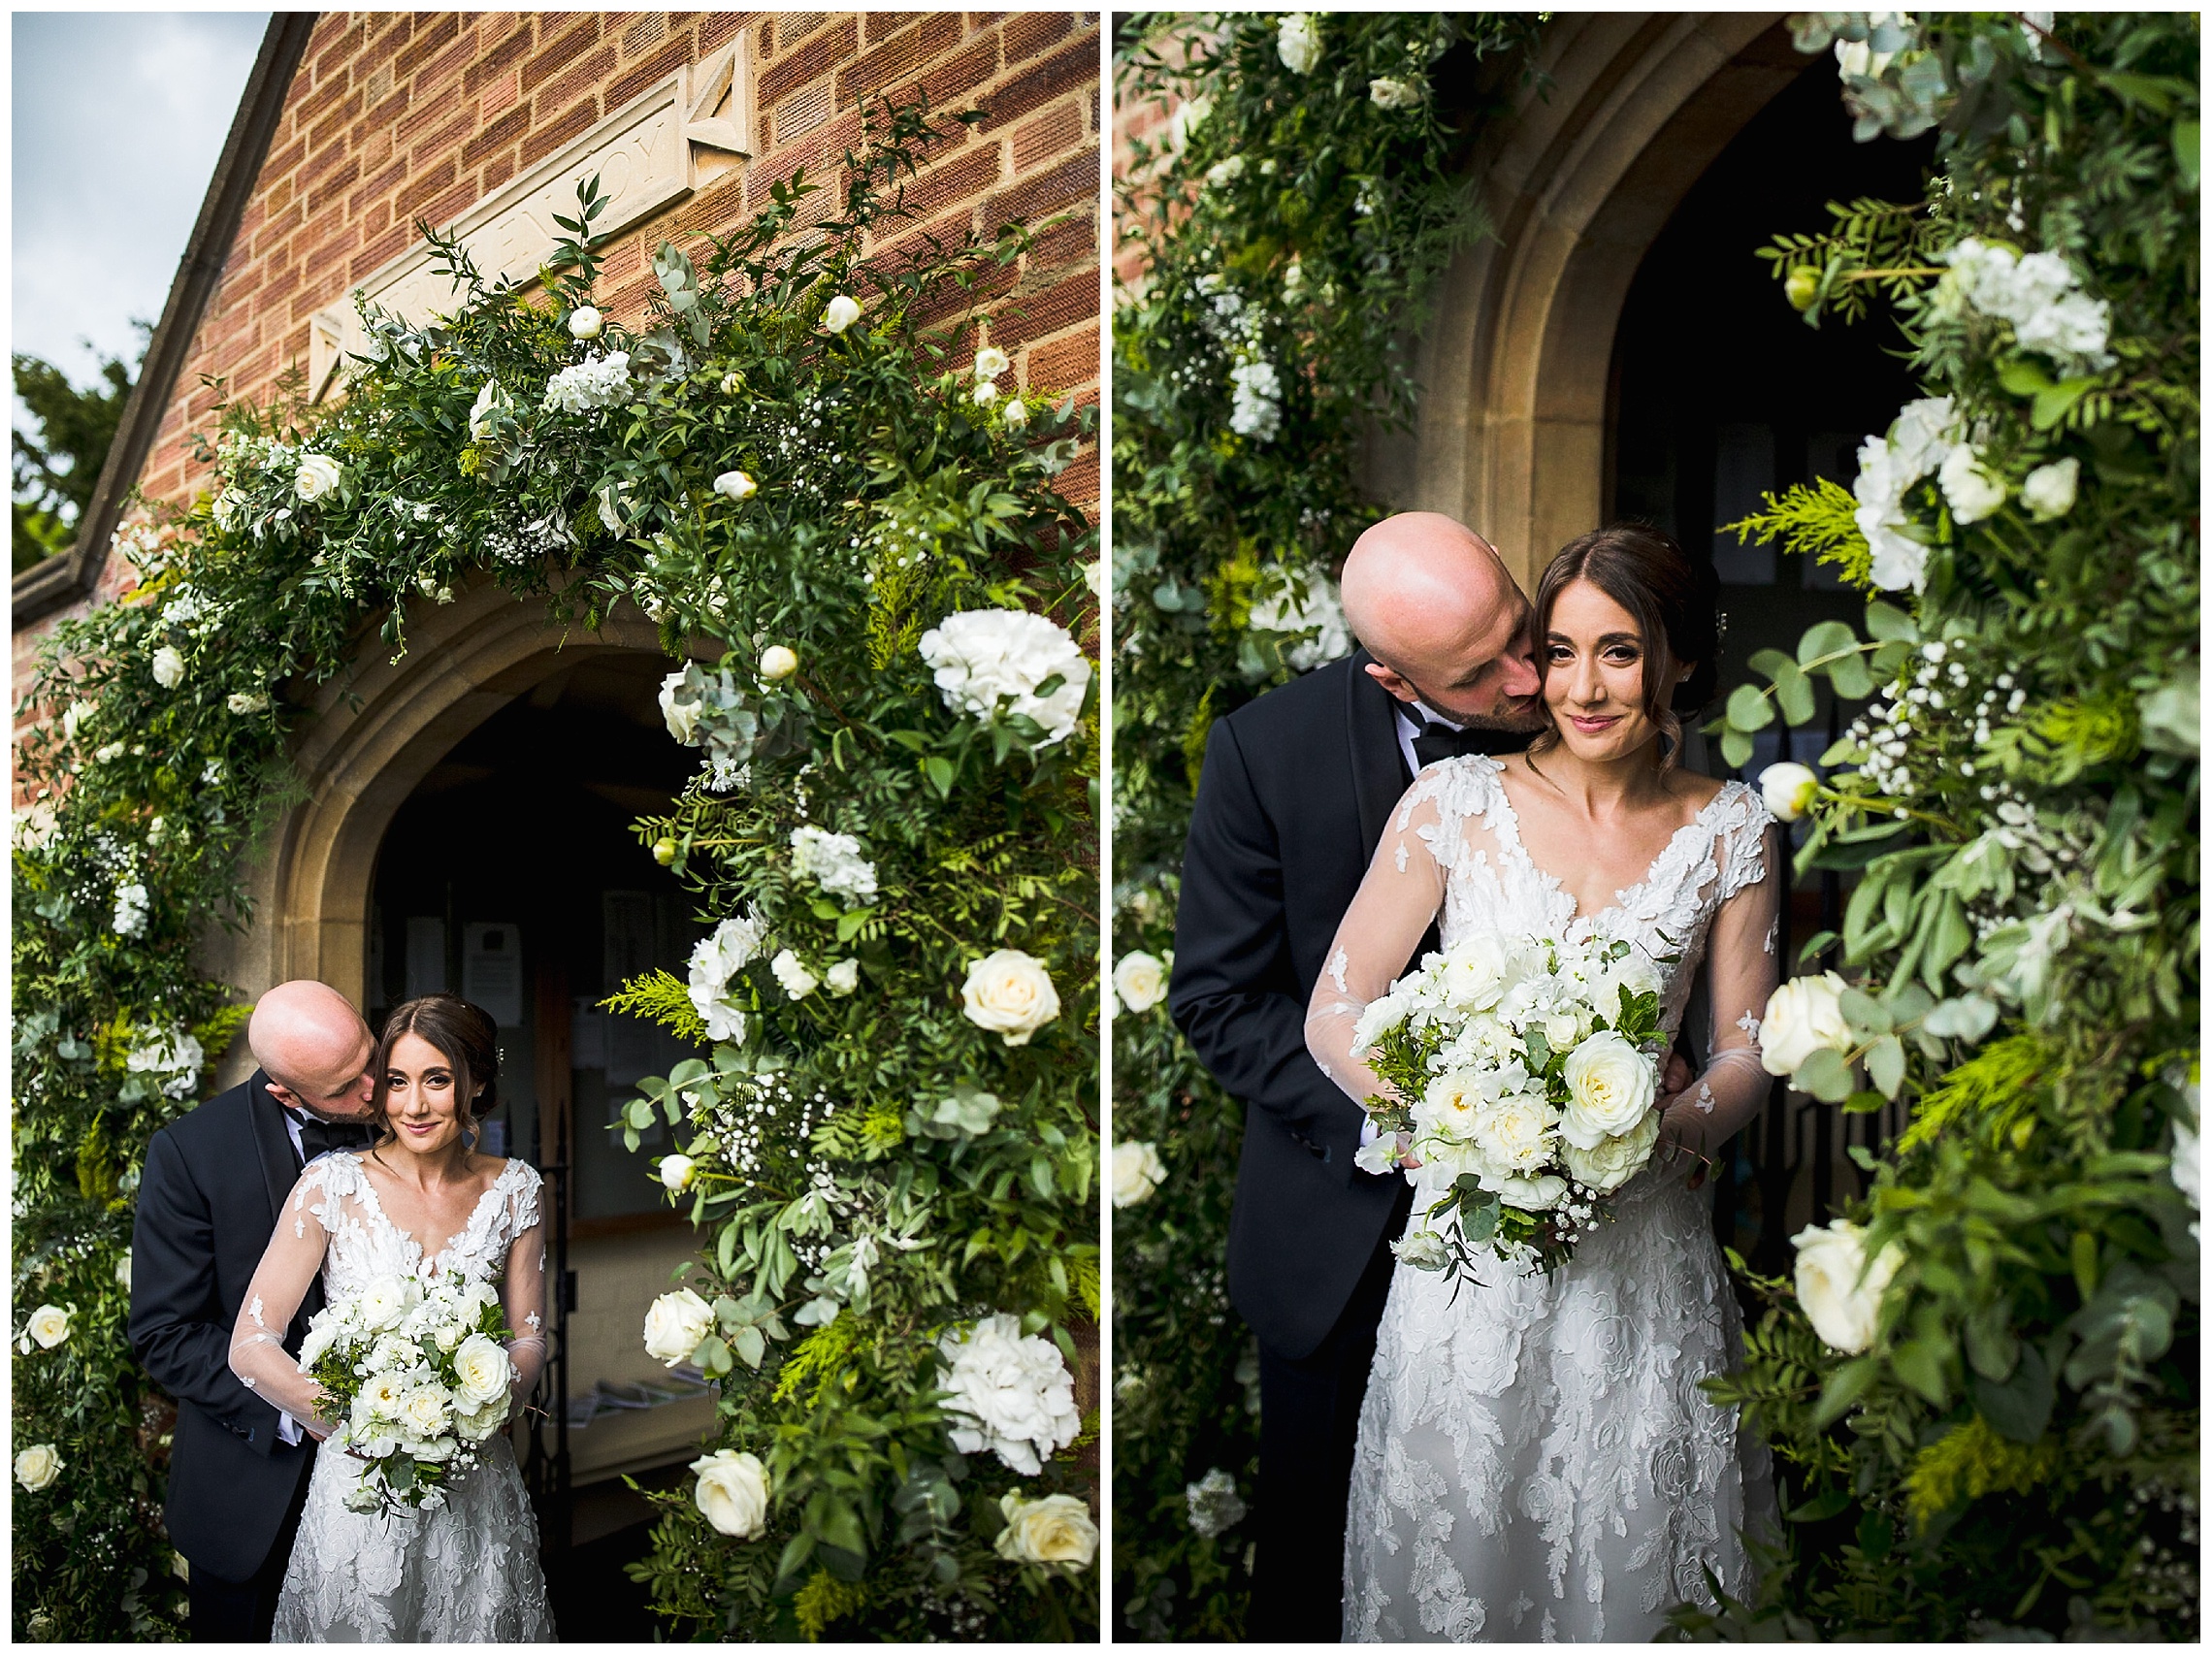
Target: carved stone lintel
<point>647,156</point>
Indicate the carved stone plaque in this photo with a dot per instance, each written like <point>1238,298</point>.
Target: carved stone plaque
<point>647,155</point>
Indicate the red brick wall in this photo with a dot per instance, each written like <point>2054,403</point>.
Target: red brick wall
<point>395,117</point>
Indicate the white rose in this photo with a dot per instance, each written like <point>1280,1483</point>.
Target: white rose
<point>676,1171</point>
<point>681,713</point>
<point>779,663</point>
<point>585,322</point>
<point>1378,1020</point>
<point>1972,492</point>
<point>423,1410</point>
<point>1010,993</point>
<point>2049,490</point>
<point>47,1327</point>
<point>1137,1171</point>
<point>1422,1249</point>
<point>37,1466</point>
<point>168,667</point>
<point>482,1423</point>
<point>383,1302</point>
<point>1056,1528</point>
<point>1389,94</point>
<point>380,1396</point>
<point>1299,42</point>
<point>676,1325</point>
<point>1537,1194</point>
<point>1803,1016</point>
<point>1611,1087</point>
<point>984,393</point>
<point>1015,414</point>
<point>1516,1134</point>
<point>123,1271</point>
<point>795,979</point>
<point>843,978</point>
<point>482,1371</point>
<point>1473,974</point>
<point>1844,1310</point>
<point>1788,789</point>
<point>1141,980</point>
<point>735,485</point>
<point>1614,1161</point>
<point>991,362</point>
<point>840,313</point>
<point>318,474</point>
<point>733,1491</point>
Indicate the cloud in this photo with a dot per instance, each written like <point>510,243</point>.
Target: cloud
<point>117,121</point>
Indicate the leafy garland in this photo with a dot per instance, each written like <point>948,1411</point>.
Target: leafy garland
<point>1290,221</point>
<point>1992,1430</point>
<point>892,1149</point>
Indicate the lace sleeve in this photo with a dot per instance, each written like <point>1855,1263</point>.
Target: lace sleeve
<point>524,1296</point>
<point>1397,899</point>
<point>1743,968</point>
<point>287,1269</point>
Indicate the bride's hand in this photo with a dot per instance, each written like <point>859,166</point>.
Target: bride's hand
<point>1676,1133</point>
<point>1675,1078</point>
<point>1406,1157</point>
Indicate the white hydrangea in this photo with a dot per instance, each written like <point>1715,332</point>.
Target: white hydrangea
<point>833,862</point>
<point>1012,1395</point>
<point>985,658</point>
<point>734,945</point>
<point>1255,401</point>
<point>176,1056</point>
<point>2039,294</point>
<point>1280,609</point>
<point>1299,42</point>
<point>130,910</point>
<point>1917,444</point>
<point>1214,1504</point>
<point>595,383</point>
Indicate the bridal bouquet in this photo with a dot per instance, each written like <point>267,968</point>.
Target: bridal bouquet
<point>1526,1072</point>
<point>417,1375</point>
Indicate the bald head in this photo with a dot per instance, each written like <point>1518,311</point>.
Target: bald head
<point>314,1048</point>
<point>1434,603</point>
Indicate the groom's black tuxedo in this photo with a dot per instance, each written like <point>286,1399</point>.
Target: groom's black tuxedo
<point>208,1204</point>
<point>1295,796</point>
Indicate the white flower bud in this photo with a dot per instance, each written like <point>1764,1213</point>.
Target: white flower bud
<point>585,322</point>
<point>676,1171</point>
<point>840,313</point>
<point>779,663</point>
<point>735,485</point>
<point>1788,789</point>
<point>168,667</point>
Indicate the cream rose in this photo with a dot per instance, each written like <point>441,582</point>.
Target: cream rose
<point>319,475</point>
<point>1788,789</point>
<point>1803,1016</point>
<point>1609,1087</point>
<point>425,1410</point>
<point>482,1370</point>
<point>1514,1134</point>
<point>37,1466</point>
<point>1422,1249</point>
<point>1844,1310</point>
<point>1010,993</point>
<point>1140,979</point>
<point>47,1327</point>
<point>477,1426</point>
<point>675,1324</point>
<point>1137,1171</point>
<point>1614,1161</point>
<point>168,667</point>
<point>585,322</point>
<point>732,1493</point>
<point>1475,973</point>
<point>1537,1194</point>
<point>840,313</point>
<point>1056,1528</point>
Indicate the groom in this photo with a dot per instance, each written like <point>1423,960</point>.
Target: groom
<point>209,1201</point>
<point>1291,804</point>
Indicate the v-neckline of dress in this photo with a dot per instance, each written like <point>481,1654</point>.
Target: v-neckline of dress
<point>428,1262</point>
<point>1624,898</point>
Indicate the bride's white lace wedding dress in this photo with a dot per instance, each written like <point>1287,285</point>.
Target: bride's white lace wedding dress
<point>1535,1461</point>
<point>467,1573</point>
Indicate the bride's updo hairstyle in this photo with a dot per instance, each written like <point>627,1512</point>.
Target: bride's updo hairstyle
<point>1676,603</point>
<point>465,1036</point>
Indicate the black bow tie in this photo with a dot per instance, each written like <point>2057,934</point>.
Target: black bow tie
<point>321,1137</point>
<point>1434,741</point>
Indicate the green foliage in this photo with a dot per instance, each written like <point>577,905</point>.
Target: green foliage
<point>56,470</point>
<point>1288,236</point>
<point>450,461</point>
<point>1815,518</point>
<point>2016,1452</point>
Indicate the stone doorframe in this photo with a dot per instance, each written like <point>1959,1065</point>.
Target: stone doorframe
<point>1514,367</point>
<point>311,877</point>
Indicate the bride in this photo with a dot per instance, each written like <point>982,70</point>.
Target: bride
<point>1535,1460</point>
<point>420,1202</point>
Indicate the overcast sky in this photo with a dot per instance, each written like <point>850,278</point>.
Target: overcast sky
<point>118,120</point>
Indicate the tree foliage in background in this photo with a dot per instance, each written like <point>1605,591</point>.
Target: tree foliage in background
<point>1290,219</point>
<point>2012,1451</point>
<point>58,468</point>
<point>762,466</point>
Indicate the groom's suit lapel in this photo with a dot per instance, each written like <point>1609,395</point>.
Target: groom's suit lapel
<point>1378,768</point>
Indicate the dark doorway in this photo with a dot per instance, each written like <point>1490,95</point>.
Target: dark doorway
<point>511,875</point>
<point>1719,394</point>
